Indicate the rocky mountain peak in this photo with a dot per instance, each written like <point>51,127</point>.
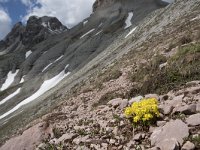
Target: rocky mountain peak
<point>39,28</point>
<point>101,3</point>
<point>105,3</point>
<point>52,23</point>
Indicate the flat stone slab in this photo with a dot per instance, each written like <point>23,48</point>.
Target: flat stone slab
<point>193,120</point>
<point>174,130</point>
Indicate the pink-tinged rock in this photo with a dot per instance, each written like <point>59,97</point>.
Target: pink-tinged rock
<point>193,83</point>
<point>115,102</point>
<point>198,107</point>
<point>194,90</point>
<point>169,144</point>
<point>188,146</point>
<point>175,129</point>
<point>152,96</point>
<point>30,138</point>
<point>65,138</point>
<point>187,109</point>
<point>193,120</point>
<point>166,109</point>
<point>135,99</point>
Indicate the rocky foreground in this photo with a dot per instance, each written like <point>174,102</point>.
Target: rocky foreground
<point>80,126</point>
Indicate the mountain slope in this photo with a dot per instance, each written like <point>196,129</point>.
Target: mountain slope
<point>91,46</point>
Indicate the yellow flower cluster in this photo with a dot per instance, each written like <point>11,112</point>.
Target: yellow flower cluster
<point>143,111</point>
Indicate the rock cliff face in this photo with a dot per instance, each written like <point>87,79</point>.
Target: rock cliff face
<point>125,48</point>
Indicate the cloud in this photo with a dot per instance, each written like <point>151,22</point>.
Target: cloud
<point>5,23</point>
<point>69,12</point>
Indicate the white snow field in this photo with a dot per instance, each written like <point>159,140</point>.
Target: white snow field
<point>47,85</point>
<point>10,96</point>
<point>128,20</point>
<point>87,33</point>
<point>131,32</point>
<point>28,53</point>
<point>9,80</point>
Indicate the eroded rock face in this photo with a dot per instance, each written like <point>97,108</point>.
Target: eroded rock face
<point>30,138</point>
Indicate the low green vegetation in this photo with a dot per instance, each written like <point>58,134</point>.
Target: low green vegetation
<point>182,67</point>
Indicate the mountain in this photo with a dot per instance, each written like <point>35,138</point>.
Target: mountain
<point>60,76</point>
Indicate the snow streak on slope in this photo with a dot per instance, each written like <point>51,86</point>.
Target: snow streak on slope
<point>128,20</point>
<point>47,67</point>
<point>87,33</point>
<point>47,85</point>
<point>28,53</point>
<point>52,63</point>
<point>131,32</point>
<point>9,80</point>
<point>10,96</point>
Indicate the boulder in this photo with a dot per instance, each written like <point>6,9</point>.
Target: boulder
<point>193,120</point>
<point>137,137</point>
<point>166,109</point>
<point>118,102</point>
<point>187,109</point>
<point>173,130</point>
<point>188,146</point>
<point>65,137</point>
<point>152,96</point>
<point>169,144</point>
<point>193,83</point>
<point>135,99</point>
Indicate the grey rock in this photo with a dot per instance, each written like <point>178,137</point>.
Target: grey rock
<point>193,90</point>
<point>152,96</point>
<point>166,109</point>
<point>135,99</point>
<point>198,107</point>
<point>118,102</point>
<point>188,146</point>
<point>175,129</point>
<point>193,120</point>
<point>169,144</point>
<point>187,109</point>
<point>137,137</point>
<point>193,83</point>
<point>161,123</point>
<point>65,137</point>
<point>112,141</point>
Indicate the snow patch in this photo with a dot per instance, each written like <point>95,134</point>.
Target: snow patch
<point>98,33</point>
<point>28,53</point>
<point>46,86</point>
<point>131,32</point>
<point>22,79</point>
<point>44,24</point>
<point>196,18</point>
<point>85,22</point>
<point>128,20</point>
<point>87,33</point>
<point>9,80</point>
<point>10,96</point>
